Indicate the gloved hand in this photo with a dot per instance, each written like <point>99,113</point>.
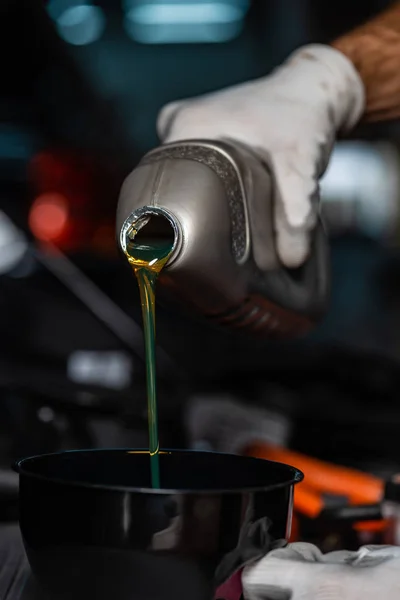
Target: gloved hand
<point>291,118</point>
<point>300,571</point>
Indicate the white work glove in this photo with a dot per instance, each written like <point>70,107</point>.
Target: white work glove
<point>301,572</point>
<point>291,118</point>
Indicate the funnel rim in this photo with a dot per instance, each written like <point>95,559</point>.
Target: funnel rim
<point>294,475</point>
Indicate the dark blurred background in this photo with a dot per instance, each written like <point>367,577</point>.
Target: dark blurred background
<point>81,85</point>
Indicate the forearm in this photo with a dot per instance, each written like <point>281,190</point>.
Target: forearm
<point>374,49</point>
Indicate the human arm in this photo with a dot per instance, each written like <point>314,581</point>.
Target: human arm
<point>374,50</point>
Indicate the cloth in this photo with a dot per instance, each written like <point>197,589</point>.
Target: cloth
<point>300,571</point>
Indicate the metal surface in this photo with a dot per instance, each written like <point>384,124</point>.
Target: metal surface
<point>14,570</point>
<point>218,196</point>
<point>93,526</point>
<point>16,581</point>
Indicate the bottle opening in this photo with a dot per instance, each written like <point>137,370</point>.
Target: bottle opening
<point>153,229</point>
<point>150,227</point>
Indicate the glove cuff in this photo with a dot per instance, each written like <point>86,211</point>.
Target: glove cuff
<point>337,79</point>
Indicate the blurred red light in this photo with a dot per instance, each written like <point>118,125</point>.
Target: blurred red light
<point>48,216</point>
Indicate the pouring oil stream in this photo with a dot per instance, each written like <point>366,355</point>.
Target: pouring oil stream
<point>147,256</point>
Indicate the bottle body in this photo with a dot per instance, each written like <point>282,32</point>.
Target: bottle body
<point>217,198</point>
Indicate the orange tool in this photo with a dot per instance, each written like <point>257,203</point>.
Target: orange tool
<point>322,477</point>
<point>325,478</point>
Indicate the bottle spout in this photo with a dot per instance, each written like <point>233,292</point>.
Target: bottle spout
<point>149,225</point>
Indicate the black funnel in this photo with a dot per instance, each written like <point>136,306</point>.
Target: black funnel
<point>94,528</point>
